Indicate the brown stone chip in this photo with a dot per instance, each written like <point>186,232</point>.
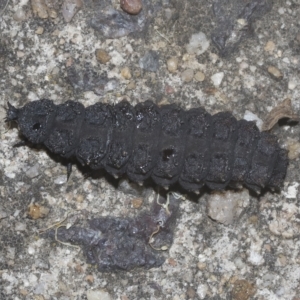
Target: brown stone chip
<point>242,290</point>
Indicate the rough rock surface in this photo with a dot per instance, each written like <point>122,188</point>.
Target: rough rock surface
<point>256,255</point>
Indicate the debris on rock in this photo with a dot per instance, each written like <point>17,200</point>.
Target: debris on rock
<point>235,22</point>
<point>125,243</point>
<point>282,110</point>
<point>70,9</point>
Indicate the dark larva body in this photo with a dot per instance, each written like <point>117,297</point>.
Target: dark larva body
<point>164,143</point>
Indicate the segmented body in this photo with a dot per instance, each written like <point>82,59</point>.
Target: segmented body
<point>167,144</point>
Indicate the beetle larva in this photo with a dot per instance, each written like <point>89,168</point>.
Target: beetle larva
<point>167,144</point>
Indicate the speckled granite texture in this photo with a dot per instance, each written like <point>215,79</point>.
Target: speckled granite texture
<point>231,245</point>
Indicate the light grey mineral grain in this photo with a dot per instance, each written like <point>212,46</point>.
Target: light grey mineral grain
<point>150,61</point>
<point>226,207</point>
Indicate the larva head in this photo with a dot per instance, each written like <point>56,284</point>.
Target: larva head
<point>34,119</point>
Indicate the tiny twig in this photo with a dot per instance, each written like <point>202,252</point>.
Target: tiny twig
<point>164,205</point>
<point>163,36</point>
<point>55,224</point>
<point>163,248</point>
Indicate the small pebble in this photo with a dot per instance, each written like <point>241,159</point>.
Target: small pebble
<point>39,8</point>
<point>60,179</point>
<point>39,30</point>
<point>202,291</point>
<point>199,76</point>
<point>42,264</point>
<point>98,295</point>
<point>20,54</point>
<point>169,90</point>
<point>270,46</point>
<point>31,250</point>
<point>20,226</point>
<point>33,171</point>
<point>102,56</point>
<point>191,293</point>
<point>225,207</point>
<point>187,75</point>
<point>111,85</point>
<point>137,202</point>
<point>249,116</point>
<point>293,147</point>
<point>242,290</point>
<point>292,84</point>
<point>70,8</point>
<point>198,44</point>
<point>52,13</point>
<point>19,15</point>
<point>89,279</point>
<point>217,78</point>
<point>132,7</point>
<point>131,85</point>
<point>201,266</point>
<point>125,72</point>
<point>172,64</point>
<point>275,73</point>
<point>36,211</point>
<point>150,61</point>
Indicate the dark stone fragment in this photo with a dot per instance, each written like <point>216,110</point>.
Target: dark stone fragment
<point>150,61</point>
<point>123,243</point>
<point>235,21</point>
